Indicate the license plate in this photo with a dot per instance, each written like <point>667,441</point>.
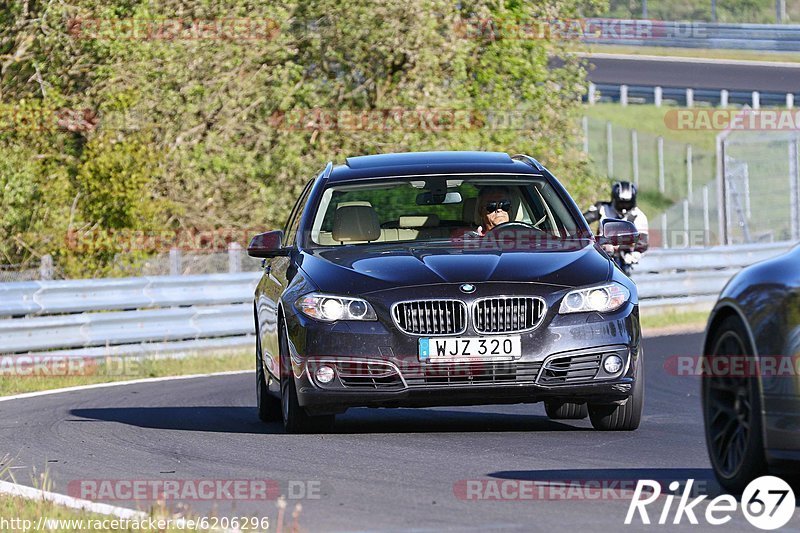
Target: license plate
<point>469,348</point>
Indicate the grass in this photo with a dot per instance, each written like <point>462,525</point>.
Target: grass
<point>751,55</point>
<point>653,201</point>
<point>648,121</point>
<point>654,319</point>
<point>126,369</point>
<point>23,515</point>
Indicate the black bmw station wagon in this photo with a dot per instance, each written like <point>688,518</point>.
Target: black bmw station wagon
<point>444,278</point>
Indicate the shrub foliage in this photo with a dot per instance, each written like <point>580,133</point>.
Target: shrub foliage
<point>135,115</point>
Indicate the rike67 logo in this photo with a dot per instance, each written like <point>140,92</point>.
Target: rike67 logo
<point>767,503</point>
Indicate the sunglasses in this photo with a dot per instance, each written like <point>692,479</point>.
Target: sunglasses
<point>505,205</point>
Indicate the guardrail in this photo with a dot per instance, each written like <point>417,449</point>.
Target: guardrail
<point>169,314</point>
<point>128,315</point>
<point>694,278</point>
<point>692,34</point>
<point>685,96</point>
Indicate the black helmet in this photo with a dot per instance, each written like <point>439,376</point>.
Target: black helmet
<point>623,196</point>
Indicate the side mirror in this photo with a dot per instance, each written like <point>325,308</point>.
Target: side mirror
<point>618,233</point>
<point>269,244</point>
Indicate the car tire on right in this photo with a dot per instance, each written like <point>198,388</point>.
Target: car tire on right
<point>625,417</point>
<point>732,413</point>
<point>558,410</point>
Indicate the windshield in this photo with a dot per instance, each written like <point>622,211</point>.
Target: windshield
<point>439,208</point>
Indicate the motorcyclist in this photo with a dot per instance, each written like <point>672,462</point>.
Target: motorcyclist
<point>623,207</point>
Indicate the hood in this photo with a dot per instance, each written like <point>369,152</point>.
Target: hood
<point>365,269</point>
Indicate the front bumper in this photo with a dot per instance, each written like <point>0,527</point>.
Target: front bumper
<point>377,365</point>
<point>320,401</point>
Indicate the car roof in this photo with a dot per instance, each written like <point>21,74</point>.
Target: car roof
<point>426,163</point>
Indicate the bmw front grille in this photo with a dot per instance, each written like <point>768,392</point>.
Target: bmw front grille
<point>431,317</point>
<point>493,315</point>
<point>507,314</point>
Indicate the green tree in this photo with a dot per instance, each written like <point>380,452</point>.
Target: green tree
<point>170,133</point>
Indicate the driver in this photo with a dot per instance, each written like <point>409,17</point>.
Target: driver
<point>494,205</point>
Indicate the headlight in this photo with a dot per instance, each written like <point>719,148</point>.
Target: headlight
<point>603,299</point>
<point>330,308</point>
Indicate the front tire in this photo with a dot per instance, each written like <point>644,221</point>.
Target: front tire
<point>269,407</point>
<point>295,417</point>
<point>732,413</point>
<point>558,410</point>
<point>624,417</point>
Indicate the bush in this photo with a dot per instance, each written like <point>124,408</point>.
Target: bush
<point>193,133</point>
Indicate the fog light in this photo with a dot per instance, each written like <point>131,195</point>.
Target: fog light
<point>324,374</point>
<point>612,364</point>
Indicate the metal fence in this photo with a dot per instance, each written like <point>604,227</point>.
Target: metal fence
<point>758,181</point>
<point>18,272</point>
<point>673,169</point>
<point>169,314</point>
<point>746,190</point>
<point>665,171</point>
<point>175,262</point>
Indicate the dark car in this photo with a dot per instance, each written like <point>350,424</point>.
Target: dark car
<point>444,278</point>
<point>750,382</point>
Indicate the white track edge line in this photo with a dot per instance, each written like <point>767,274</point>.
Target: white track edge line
<point>679,59</point>
<point>30,493</point>
<point>35,394</point>
<point>33,494</point>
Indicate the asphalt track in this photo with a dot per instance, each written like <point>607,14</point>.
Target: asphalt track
<point>381,470</point>
<point>711,74</point>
